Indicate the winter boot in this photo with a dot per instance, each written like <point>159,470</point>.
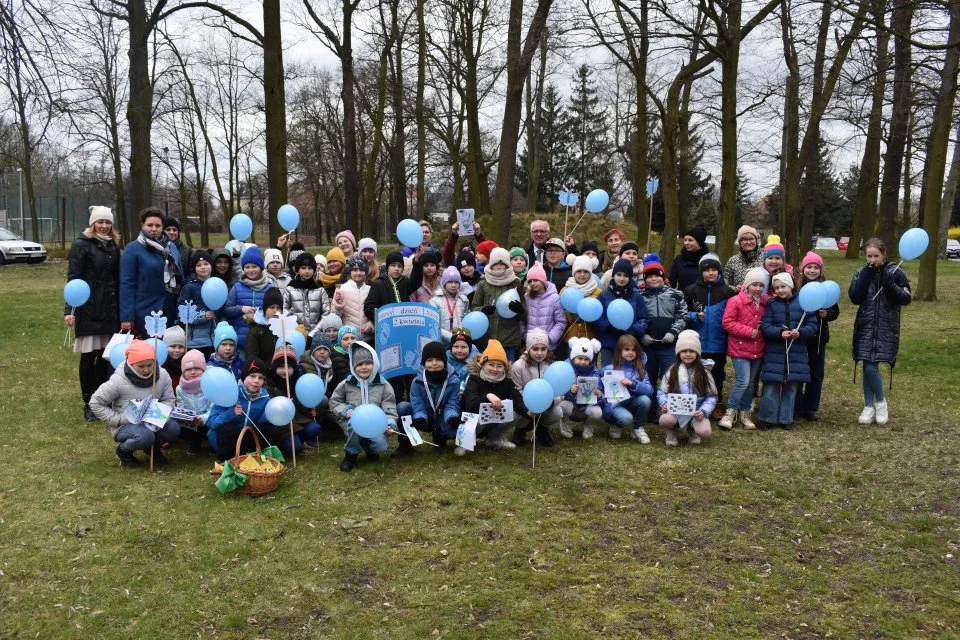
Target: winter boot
<point>349,462</point>
<point>729,417</point>
<point>746,420</point>
<point>544,437</point>
<point>127,459</point>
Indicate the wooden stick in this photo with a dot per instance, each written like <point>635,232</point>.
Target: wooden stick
<point>283,342</point>
<point>153,393</point>
<point>536,416</point>
<point>650,224</point>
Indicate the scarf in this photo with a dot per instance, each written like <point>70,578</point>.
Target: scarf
<point>173,367</point>
<point>300,283</point>
<point>220,361</point>
<point>508,277</point>
<point>172,273</point>
<point>587,288</point>
<point>621,292</point>
<point>259,284</point>
<point>136,379</point>
<point>609,259</point>
<point>327,280</point>
<point>488,378</point>
<point>190,386</point>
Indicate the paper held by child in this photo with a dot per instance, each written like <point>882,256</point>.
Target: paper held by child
<point>612,389</point>
<point>465,219</point>
<point>681,404</point>
<point>180,412</point>
<point>467,431</point>
<point>412,433</point>
<point>148,412</point>
<point>586,385</point>
<point>489,415</point>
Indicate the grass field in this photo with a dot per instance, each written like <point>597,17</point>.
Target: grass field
<point>831,530</point>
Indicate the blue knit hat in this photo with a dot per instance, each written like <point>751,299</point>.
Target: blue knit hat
<point>223,332</point>
<point>345,329</point>
<point>252,256</point>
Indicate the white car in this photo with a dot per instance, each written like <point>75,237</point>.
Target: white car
<point>828,244</point>
<point>15,249</point>
<point>953,249</point>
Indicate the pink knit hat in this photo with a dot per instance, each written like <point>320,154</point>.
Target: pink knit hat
<point>193,359</point>
<point>345,234</point>
<point>811,258</point>
<point>537,273</point>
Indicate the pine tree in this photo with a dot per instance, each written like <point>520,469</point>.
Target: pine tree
<point>591,147</point>
<point>555,140</point>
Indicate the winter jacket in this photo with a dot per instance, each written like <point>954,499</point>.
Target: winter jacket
<point>261,342</point>
<point>476,390</point>
<point>201,329</point>
<point>141,284</point>
<point>449,250</point>
<point>233,273</point>
<point>706,403</point>
<point>737,266</point>
<point>112,397</point>
<point>685,269</point>
<point>823,325</point>
<point>253,406</point>
<point>385,290</point>
<point>778,364</point>
<point>461,368</point>
<point>241,296</point>
<point>711,299</point>
<point>196,402</point>
<point>641,384</point>
<point>235,367</point>
<point>577,328</point>
<point>98,264</point>
<point>558,275</point>
<point>740,319</point>
<point>590,371</point>
<point>281,281</point>
<point>545,312</point>
<point>446,399</point>
<point>666,312</point>
<point>354,391</point>
<point>186,255</point>
<point>307,301</point>
<point>451,311</point>
<point>609,334</point>
<point>876,330</point>
<point>506,330</point>
<point>340,369</point>
<point>348,303</point>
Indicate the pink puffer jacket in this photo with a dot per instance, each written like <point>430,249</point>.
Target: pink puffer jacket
<point>740,320</point>
<point>348,302</point>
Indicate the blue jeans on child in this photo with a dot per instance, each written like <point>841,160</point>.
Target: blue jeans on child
<point>808,396</point>
<point>872,383</point>
<point>137,436</point>
<point>745,371</point>
<point>776,407</point>
<point>632,413</point>
<point>659,359</point>
<point>355,444</point>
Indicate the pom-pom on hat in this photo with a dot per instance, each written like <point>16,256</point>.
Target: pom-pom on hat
<point>252,366</point>
<point>499,256</point>
<point>272,255</point>
<point>367,243</point>
<point>486,248</point>
<point>688,340</point>
<point>193,359</point>
<point>175,336</point>
<point>494,351</point>
<point>811,258</point>
<point>537,336</point>
<point>583,263</point>
<point>272,298</point>
<point>450,274</point>
<point>755,275</point>
<point>223,332</point>
<point>139,351</point>
<point>433,350</point>
<point>252,256</point>
<point>773,247</point>
<point>583,347</point>
<point>537,272</point>
<point>652,265</point>
<point>100,213</point>
<point>710,261</point>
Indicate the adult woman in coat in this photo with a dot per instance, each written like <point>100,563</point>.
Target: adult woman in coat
<point>150,274</point>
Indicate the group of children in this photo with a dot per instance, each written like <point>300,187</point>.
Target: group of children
<point>677,343</point>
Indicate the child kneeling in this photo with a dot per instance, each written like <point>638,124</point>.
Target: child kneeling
<point>630,413</point>
<point>225,423</point>
<point>434,399</point>
<point>688,374</point>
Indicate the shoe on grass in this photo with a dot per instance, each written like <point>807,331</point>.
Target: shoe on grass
<point>867,415</point>
<point>640,435</point>
<point>127,459</point>
<point>882,414</point>
<point>672,438</point>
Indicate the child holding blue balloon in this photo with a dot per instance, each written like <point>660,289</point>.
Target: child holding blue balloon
<point>631,412</point>
<point>532,365</point>
<point>225,423</point>
<point>807,404</point>
<point>450,303</point>
<point>628,316</point>
<point>580,285</point>
<point>204,322</point>
<point>225,350</point>
<point>284,369</point>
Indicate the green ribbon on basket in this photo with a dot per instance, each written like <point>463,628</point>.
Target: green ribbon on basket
<point>273,451</point>
<point>231,479</point>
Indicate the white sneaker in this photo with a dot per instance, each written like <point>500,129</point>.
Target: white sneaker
<point>500,443</point>
<point>565,429</point>
<point>614,433</point>
<point>672,438</point>
<point>746,420</point>
<point>882,412</point>
<point>587,431</point>
<point>729,417</point>
<point>694,438</point>
<point>459,452</point>
<point>867,415</point>
<point>641,435</point>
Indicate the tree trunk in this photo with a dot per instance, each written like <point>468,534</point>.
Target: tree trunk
<point>398,158</point>
<point>370,174</point>
<point>935,164</point>
<point>139,106</point>
<point>534,134</point>
<point>419,113</point>
<point>727,206</point>
<point>949,196</point>
<point>275,113</point>
<point>906,215</point>
<point>351,175</point>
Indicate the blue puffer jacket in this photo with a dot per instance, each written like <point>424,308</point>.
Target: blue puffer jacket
<point>141,284</point>
<point>879,292</point>
<point>776,365</point>
<point>201,329</point>
<point>242,296</point>
<point>609,334</point>
<point>253,406</point>
<point>461,368</point>
<point>448,403</point>
<point>711,299</point>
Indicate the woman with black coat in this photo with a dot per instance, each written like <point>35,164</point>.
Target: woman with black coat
<point>95,258</point>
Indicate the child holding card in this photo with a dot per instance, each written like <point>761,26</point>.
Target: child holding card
<point>490,382</point>
<point>627,372</point>
<point>581,405</point>
<point>134,380</point>
<point>190,396</point>
<point>688,375</point>
<point>532,365</point>
<point>434,399</point>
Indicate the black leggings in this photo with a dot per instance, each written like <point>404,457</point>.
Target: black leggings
<point>94,371</point>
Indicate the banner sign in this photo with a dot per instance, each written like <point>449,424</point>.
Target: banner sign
<point>403,330</point>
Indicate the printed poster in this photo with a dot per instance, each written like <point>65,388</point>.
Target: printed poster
<point>402,330</point>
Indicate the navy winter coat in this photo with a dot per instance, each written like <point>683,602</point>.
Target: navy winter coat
<point>141,284</point>
<point>608,333</point>
<point>876,331</point>
<point>685,268</point>
<point>201,329</point>
<point>711,299</point>
<point>448,404</point>
<point>776,366</point>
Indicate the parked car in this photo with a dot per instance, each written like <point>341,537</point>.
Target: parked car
<point>953,249</point>
<point>826,243</point>
<point>844,242</point>
<point>15,249</point>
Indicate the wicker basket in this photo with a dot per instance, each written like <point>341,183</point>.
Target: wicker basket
<point>260,482</point>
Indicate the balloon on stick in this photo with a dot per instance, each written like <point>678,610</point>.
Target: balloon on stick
<point>288,217</point>
<point>597,200</point>
<point>279,410</point>
<point>241,226</point>
<point>538,395</point>
<point>813,297</point>
<point>561,377</point>
<point>833,293</point>
<point>913,243</point>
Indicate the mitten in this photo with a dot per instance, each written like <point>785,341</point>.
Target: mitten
<point>517,307</point>
<point>420,424</point>
<point>669,338</point>
<point>489,309</point>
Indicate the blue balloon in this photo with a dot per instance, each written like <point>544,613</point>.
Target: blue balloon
<point>162,352</point>
<point>913,243</point>
<point>410,233</point>
<point>234,246</point>
<point>214,293</point>
<point>288,217</point>
<point>813,297</point>
<point>477,323</point>
<point>368,421</point>
<point>76,292</point>
<point>279,410</point>
<point>503,303</point>
<point>620,314</point>
<point>561,377</point>
<point>219,386</point>
<point>597,200</point>
<point>833,293</point>
<point>117,355</point>
<point>538,395</point>
<point>296,340</point>
<point>310,390</point>
<point>241,226</point>
<point>590,309</point>
<point>570,298</point>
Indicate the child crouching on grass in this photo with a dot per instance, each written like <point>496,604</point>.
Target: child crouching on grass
<point>226,423</point>
<point>583,353</point>
<point>631,412</point>
<point>688,374</point>
<point>134,380</point>
<point>434,400</point>
<point>225,350</point>
<point>490,382</point>
<point>190,396</point>
<point>532,365</point>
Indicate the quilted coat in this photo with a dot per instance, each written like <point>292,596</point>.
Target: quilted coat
<point>740,318</point>
<point>307,300</point>
<point>545,312</point>
<point>876,330</point>
<point>779,365</point>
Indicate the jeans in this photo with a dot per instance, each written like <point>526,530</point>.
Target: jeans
<point>808,397</point>
<point>872,384</point>
<point>718,372</point>
<point>745,371</point>
<point>776,407</point>
<point>659,359</point>
<point>137,436</point>
<point>631,413</point>
<point>374,445</point>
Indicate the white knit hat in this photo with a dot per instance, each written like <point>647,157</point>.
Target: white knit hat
<point>272,255</point>
<point>100,213</point>
<point>755,275</point>
<point>783,278</point>
<point>537,336</point>
<point>583,347</point>
<point>367,243</point>
<point>321,261</point>
<point>175,336</point>
<point>498,256</point>
<point>582,263</point>
<point>689,340</point>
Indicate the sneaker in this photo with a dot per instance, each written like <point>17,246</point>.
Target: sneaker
<point>349,462</point>
<point>882,412</point>
<point>459,452</point>
<point>194,448</point>
<point>867,415</point>
<point>565,429</point>
<point>88,414</point>
<point>587,431</point>
<point>614,433</point>
<point>786,427</point>
<point>746,420</point>
<point>640,435</point>
<point>672,438</point>
<point>729,417</point>
<point>127,459</point>
<point>500,443</point>
<point>694,438</point>
<point>519,437</point>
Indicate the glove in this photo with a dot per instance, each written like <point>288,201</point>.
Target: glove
<point>517,307</point>
<point>669,338</point>
<point>646,340</point>
<point>420,424</point>
<point>453,423</point>
<point>489,309</point>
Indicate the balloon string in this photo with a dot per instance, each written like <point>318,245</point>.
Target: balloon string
<point>66,338</point>
<point>254,425</point>
<point>422,441</point>
<point>881,288</point>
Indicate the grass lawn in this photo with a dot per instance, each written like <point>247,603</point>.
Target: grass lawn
<point>831,530</point>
